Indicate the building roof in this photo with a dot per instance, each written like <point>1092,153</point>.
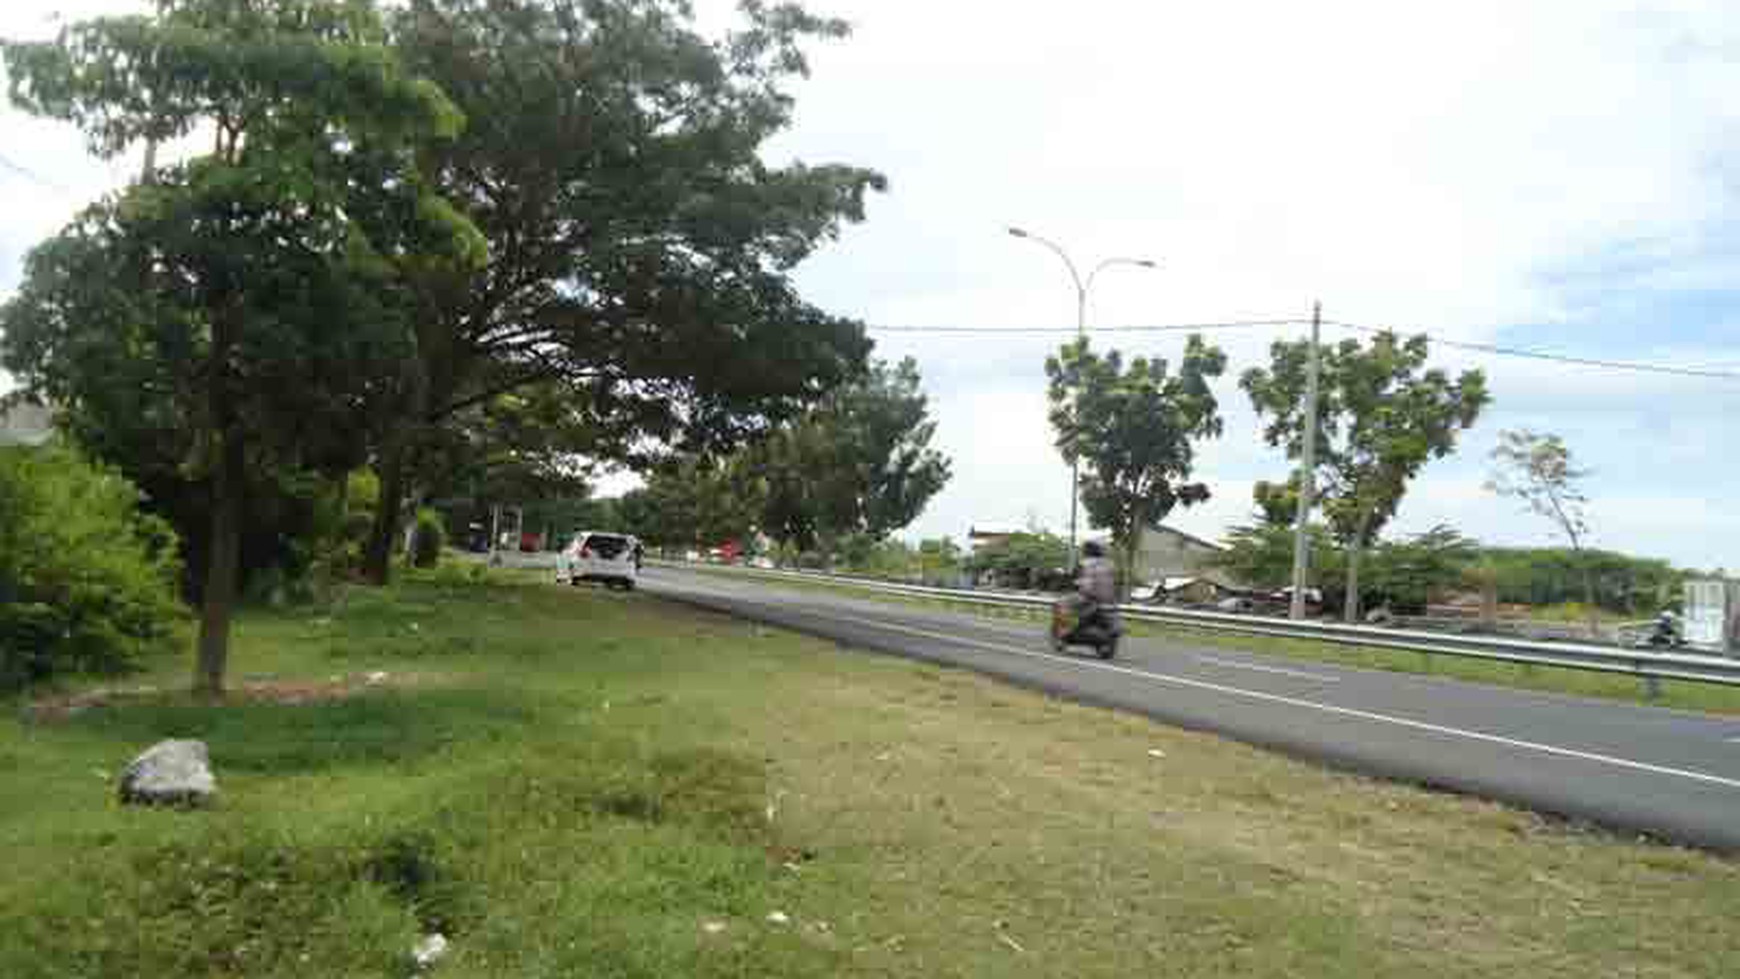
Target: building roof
<point>1191,538</point>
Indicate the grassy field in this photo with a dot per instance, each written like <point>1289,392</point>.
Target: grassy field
<point>570,782</point>
<point>1672,693</point>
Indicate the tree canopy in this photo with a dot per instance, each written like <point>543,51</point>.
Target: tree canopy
<point>249,291</point>
<point>860,464</point>
<point>1381,417</point>
<point>641,246</point>
<point>1134,430</point>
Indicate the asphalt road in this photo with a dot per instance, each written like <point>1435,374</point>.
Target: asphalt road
<point>1668,774</point>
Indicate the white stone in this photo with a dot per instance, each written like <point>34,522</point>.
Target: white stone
<point>170,773</point>
<point>429,950</point>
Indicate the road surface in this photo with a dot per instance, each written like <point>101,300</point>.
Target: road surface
<point>1669,774</point>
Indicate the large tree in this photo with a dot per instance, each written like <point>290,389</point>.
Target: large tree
<point>1381,417</point>
<point>251,291</point>
<point>640,243</point>
<point>1134,430</point>
<point>860,464</point>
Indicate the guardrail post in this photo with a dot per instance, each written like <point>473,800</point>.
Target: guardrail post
<point>1651,683</point>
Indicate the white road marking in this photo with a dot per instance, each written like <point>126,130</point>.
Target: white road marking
<point>1281,670</point>
<point>1366,715</point>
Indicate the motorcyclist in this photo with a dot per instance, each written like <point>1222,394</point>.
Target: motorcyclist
<point>1096,584</point>
<point>1666,631</point>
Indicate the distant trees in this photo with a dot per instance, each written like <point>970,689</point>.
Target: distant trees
<point>1024,560</point>
<point>1381,417</point>
<point>860,464</point>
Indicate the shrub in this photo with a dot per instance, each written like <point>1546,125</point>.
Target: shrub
<point>428,539</point>
<point>87,581</point>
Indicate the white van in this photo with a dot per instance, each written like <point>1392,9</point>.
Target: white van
<point>596,556</point>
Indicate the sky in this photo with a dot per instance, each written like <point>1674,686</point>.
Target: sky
<point>1557,176</point>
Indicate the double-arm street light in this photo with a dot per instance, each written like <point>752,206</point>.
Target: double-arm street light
<point>1082,288</point>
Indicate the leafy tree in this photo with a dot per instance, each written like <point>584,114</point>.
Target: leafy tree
<point>859,464</point>
<point>641,247</point>
<point>1539,471</point>
<point>87,581</point>
<point>1261,556</point>
<point>940,558</point>
<point>1277,503</point>
<point>703,501</point>
<point>1406,574</point>
<point>251,291</point>
<point>637,514</point>
<point>1381,418</point>
<point>1134,430</point>
<point>1025,560</point>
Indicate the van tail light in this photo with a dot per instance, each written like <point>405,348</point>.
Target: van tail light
<point>584,552</point>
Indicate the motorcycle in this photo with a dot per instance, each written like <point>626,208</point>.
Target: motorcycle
<point>1099,630</point>
<point>1665,633</point>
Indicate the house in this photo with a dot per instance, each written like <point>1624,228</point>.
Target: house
<point>25,424</point>
<point>1166,552</point>
<point>989,535</point>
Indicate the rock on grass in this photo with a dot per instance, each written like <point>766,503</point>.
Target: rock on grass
<point>170,773</point>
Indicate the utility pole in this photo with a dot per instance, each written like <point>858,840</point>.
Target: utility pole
<point>1308,472</point>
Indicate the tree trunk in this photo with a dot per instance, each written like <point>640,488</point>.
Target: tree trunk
<point>1127,580</point>
<point>1351,607</point>
<point>1589,599</point>
<point>229,478</point>
<point>223,570</point>
<point>378,556</point>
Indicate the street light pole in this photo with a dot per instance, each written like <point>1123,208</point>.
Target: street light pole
<point>1082,288</point>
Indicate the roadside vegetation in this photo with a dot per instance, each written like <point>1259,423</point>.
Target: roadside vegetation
<point>576,782</point>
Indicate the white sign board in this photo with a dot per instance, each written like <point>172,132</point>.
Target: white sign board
<point>1706,612</point>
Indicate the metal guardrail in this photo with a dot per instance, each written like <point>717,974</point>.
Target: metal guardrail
<point>1650,667</point>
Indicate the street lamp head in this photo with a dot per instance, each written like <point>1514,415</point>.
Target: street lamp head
<point>1018,233</point>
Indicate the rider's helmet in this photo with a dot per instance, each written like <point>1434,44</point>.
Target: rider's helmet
<point>1093,548</point>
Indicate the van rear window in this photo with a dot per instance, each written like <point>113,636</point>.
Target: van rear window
<point>607,546</point>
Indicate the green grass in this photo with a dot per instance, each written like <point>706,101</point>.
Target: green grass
<point>1684,695</point>
<point>574,782</point>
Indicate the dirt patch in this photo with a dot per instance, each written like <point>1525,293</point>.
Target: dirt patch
<point>249,692</point>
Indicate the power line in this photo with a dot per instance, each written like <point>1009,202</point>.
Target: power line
<point>1703,371</point>
<point>1623,365</point>
<point>1143,328</point>
<point>30,174</point>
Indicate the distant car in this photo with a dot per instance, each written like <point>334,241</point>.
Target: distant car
<point>611,559</point>
<point>1236,604</point>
